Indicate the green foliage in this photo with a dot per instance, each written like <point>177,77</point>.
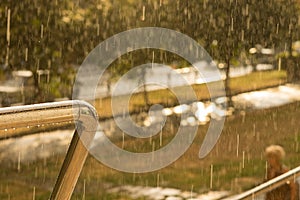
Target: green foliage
<point>59,34</point>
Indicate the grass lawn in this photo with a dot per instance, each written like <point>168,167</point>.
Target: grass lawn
<point>253,81</point>
<point>250,82</point>
<point>255,130</point>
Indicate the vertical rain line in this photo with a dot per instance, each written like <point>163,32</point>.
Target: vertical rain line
<point>7,55</point>
<point>266,173</point>
<point>26,54</point>
<point>243,165</point>
<point>123,140</point>
<point>98,29</point>
<point>153,149</point>
<point>160,137</point>
<point>42,31</point>
<point>152,62</point>
<point>7,36</point>
<point>19,162</point>
<point>8,27</point>
<point>33,194</point>
<point>211,176</point>
<point>237,145</point>
<point>143,16</point>
<point>157,181</point>
<point>83,195</point>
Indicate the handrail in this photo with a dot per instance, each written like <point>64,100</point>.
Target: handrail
<point>86,121</point>
<point>269,185</point>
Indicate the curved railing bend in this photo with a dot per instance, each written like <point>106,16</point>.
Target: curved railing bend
<point>86,121</point>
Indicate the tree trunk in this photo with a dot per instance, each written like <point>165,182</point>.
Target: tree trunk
<point>227,84</point>
<point>293,69</point>
<point>293,66</point>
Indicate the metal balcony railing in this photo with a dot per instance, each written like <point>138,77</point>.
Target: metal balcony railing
<point>253,193</point>
<point>85,117</point>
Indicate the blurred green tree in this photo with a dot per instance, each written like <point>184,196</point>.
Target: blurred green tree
<point>58,35</point>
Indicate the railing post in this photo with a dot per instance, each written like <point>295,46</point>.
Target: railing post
<point>70,170</point>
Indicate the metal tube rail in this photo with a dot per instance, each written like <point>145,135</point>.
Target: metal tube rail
<point>269,185</point>
<point>86,121</point>
<point>37,114</point>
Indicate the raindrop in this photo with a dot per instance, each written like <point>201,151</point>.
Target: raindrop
<point>143,16</point>
<point>237,145</point>
<point>285,46</point>
<point>26,54</point>
<point>123,139</point>
<point>266,170</point>
<point>83,195</point>
<point>243,113</point>
<point>204,4</point>
<point>33,195</point>
<point>242,35</point>
<point>152,62</point>
<point>290,29</point>
<point>279,64</point>
<point>157,180</point>
<point>243,165</point>
<point>153,149</point>
<point>49,65</point>
<point>98,29</point>
<point>42,31</point>
<point>160,137</point>
<point>211,176</point>
<point>19,162</point>
<point>150,140</point>
<point>7,55</point>
<point>124,112</point>
<point>248,23</point>
<point>8,27</point>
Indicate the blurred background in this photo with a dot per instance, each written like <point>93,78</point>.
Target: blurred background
<point>255,45</point>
